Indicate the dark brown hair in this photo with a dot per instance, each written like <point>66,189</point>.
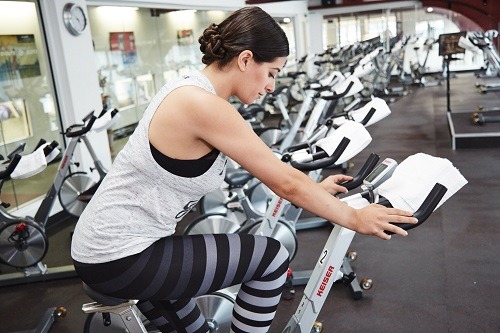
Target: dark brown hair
<point>249,28</point>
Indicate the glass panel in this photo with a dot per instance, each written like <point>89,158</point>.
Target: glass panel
<point>349,31</point>
<point>27,109</point>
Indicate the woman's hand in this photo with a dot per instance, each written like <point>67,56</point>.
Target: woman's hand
<point>331,184</point>
<point>374,219</point>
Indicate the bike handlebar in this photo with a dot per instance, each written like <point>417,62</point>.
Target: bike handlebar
<point>335,95</point>
<point>365,170</point>
<point>425,209</point>
<point>10,168</point>
<point>368,116</point>
<point>291,149</point>
<point>79,130</point>
<point>321,159</point>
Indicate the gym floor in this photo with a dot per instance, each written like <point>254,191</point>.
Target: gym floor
<point>443,277</point>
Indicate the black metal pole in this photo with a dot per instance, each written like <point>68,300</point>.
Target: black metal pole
<point>447,59</point>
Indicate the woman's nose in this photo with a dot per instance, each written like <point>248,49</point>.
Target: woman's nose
<point>270,88</point>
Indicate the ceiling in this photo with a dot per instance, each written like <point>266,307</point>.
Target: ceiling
<point>483,12</point>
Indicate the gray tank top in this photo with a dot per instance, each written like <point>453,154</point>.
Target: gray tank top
<point>138,201</point>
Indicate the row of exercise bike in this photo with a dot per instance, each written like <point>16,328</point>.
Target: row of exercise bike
<point>379,68</point>
<point>330,137</point>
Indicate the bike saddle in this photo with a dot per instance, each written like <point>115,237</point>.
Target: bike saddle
<point>237,177</point>
<point>101,298</point>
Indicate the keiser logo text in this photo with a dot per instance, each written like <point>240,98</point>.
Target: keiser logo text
<point>326,278</point>
<point>277,207</point>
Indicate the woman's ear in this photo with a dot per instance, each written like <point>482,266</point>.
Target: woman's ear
<point>243,58</point>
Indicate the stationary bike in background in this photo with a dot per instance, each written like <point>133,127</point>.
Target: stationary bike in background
<point>23,240</point>
<point>419,72</point>
<point>78,187</point>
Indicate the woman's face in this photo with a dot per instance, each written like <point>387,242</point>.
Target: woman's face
<point>259,79</point>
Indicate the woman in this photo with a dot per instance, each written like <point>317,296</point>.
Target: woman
<point>124,245</point>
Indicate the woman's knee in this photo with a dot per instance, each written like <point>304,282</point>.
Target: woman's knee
<point>281,255</point>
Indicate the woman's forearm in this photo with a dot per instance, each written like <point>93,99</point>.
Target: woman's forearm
<point>311,196</point>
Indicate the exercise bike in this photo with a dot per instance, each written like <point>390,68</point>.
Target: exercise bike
<point>23,240</point>
<point>119,314</point>
<point>419,71</point>
<point>77,188</point>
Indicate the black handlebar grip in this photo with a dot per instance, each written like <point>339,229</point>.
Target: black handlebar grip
<point>298,146</point>
<point>322,160</point>
<point>337,96</point>
<point>365,170</point>
<point>10,168</point>
<point>368,116</point>
<point>70,134</point>
<point>426,209</point>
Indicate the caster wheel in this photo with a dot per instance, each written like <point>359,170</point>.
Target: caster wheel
<point>60,312</point>
<point>317,327</point>
<point>366,284</point>
<point>352,255</point>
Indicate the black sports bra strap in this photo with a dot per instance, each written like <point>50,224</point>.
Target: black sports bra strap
<point>185,168</point>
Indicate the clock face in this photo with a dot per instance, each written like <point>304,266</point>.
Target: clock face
<point>79,20</point>
<point>74,19</point>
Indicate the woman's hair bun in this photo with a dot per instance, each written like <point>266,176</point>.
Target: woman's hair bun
<point>211,45</point>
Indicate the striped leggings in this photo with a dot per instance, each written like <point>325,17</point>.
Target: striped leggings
<point>170,273</point>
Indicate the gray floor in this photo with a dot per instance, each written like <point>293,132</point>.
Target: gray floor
<point>443,277</point>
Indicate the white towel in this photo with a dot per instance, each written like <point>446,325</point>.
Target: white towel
<point>52,155</point>
<point>341,87</point>
<point>415,177</point>
<point>381,111</point>
<point>354,131</point>
<point>104,122</point>
<point>30,165</point>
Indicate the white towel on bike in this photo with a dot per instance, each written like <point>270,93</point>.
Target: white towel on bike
<point>341,87</point>
<point>30,164</point>
<point>381,111</point>
<point>104,122</point>
<point>415,177</point>
<point>354,131</point>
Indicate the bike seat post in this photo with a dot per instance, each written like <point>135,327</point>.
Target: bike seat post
<point>106,305</point>
<point>126,311</point>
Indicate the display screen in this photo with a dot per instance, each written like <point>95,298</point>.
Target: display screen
<point>448,43</point>
<point>376,172</point>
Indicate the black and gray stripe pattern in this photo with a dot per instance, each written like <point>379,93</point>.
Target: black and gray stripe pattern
<point>171,272</point>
